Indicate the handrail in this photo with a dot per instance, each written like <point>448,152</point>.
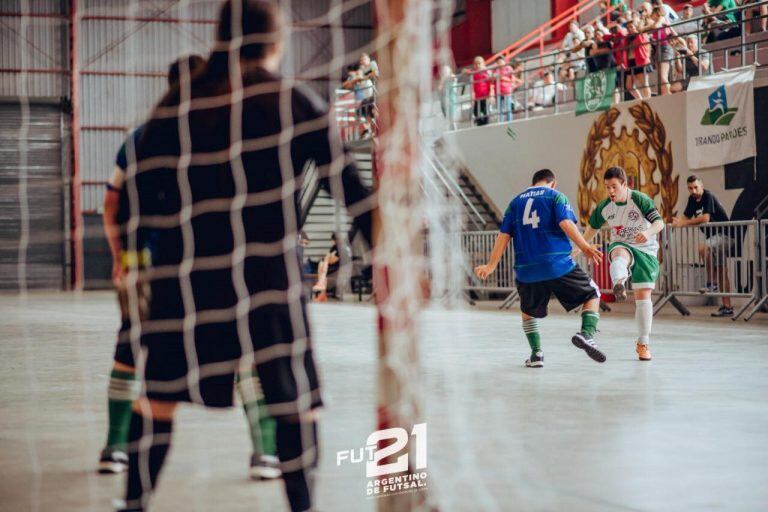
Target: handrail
<point>524,92</point>
<point>309,190</point>
<point>453,188</point>
<point>552,25</point>
<point>762,208</point>
<point>563,15</point>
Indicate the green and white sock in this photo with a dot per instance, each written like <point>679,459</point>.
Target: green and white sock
<point>589,321</point>
<point>531,330</point>
<point>122,391</point>
<point>261,426</point>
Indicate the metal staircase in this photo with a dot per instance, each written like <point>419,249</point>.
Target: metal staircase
<point>321,214</point>
<point>478,214</point>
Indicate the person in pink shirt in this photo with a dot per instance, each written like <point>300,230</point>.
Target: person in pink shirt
<point>481,90</point>
<point>506,83</point>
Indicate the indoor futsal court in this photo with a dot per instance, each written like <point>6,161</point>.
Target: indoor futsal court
<point>383,255</point>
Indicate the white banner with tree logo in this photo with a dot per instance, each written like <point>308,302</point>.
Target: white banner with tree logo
<point>721,118</point>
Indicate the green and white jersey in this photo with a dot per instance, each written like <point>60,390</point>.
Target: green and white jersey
<point>627,220</point>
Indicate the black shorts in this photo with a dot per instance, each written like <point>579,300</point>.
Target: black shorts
<point>123,351</point>
<point>572,290</point>
<point>647,69</point>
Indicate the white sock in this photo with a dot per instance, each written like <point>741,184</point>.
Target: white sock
<point>644,319</point>
<point>619,269</point>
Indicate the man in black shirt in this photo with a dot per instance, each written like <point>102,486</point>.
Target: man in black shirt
<point>704,207</point>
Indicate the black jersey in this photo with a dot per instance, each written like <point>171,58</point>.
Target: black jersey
<point>190,194</point>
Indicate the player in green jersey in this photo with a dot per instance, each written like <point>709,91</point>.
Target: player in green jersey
<point>635,224</point>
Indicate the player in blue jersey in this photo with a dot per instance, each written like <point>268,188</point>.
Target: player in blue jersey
<point>541,222</point>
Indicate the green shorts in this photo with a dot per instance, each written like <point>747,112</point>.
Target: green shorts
<point>644,267</point>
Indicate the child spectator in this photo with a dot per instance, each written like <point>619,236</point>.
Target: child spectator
<point>507,83</point>
<point>481,90</point>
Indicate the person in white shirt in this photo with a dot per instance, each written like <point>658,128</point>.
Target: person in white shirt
<point>544,91</point>
<point>672,16</point>
<point>684,25</point>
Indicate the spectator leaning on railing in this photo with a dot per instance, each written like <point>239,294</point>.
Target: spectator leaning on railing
<point>662,35</point>
<point>640,66</point>
<point>506,82</point>
<point>369,73</point>
<point>704,207</point>
<point>481,90</point>
<point>692,62</point>
<point>722,26</point>
<point>683,25</point>
<point>544,91</point>
<point>617,42</point>
<point>448,94</point>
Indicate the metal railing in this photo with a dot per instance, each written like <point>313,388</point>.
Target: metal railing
<point>718,259</point>
<point>355,114</point>
<point>719,51</point>
<point>763,269</point>
<point>476,246</point>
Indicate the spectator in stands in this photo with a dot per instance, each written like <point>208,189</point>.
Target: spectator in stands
<point>704,207</point>
<point>448,94</point>
<point>597,52</point>
<point>753,13</point>
<point>640,66</point>
<point>506,83</point>
<point>368,74</point>
<point>328,268</point>
<point>722,25</point>
<point>619,7</point>
<point>617,41</point>
<point>481,90</point>
<point>691,63</point>
<point>644,13</point>
<point>669,12</point>
<point>565,72</point>
<point>544,91</point>
<point>662,35</point>
<point>574,36</point>
<point>684,25</point>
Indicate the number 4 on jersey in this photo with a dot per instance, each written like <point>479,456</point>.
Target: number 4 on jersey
<point>530,218</point>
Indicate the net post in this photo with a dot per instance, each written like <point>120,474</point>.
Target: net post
<point>398,229</point>
<point>76,188</point>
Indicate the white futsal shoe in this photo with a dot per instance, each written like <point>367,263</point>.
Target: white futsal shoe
<point>265,467</point>
<point>536,360</point>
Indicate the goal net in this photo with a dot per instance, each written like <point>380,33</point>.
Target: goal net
<point>81,77</point>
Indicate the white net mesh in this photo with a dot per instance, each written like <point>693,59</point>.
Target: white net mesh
<point>213,189</point>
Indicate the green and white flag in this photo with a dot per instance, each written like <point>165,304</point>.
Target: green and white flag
<point>594,92</point>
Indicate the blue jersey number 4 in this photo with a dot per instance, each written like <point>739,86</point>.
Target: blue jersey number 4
<point>530,218</point>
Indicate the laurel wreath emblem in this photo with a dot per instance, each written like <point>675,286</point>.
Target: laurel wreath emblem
<point>653,129</point>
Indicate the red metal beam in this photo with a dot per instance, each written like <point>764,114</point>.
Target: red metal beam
<point>33,15</point>
<point>148,19</point>
<point>51,71</point>
<point>74,91</point>
<point>146,74</point>
<point>104,128</point>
